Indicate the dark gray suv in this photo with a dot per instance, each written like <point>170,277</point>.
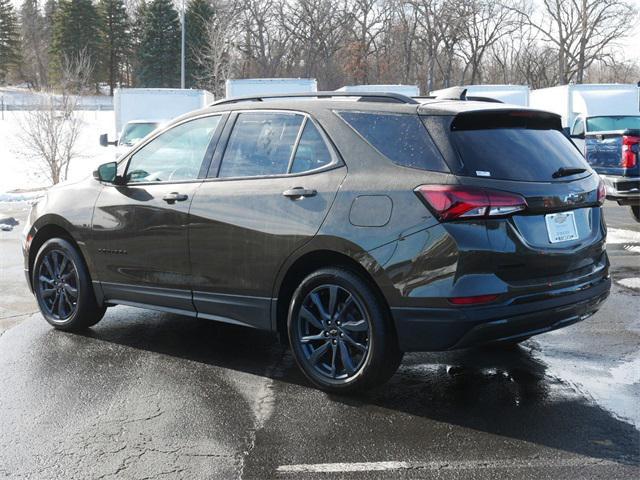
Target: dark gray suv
<point>358,226</point>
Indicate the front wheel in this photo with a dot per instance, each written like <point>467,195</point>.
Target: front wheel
<point>340,332</point>
<point>635,211</point>
<point>63,287</point>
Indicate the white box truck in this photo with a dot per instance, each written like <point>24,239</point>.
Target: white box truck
<point>139,111</point>
<point>269,86</point>
<point>603,120</point>
<point>512,94</point>
<point>587,100</point>
<point>408,90</point>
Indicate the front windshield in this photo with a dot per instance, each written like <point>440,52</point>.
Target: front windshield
<point>134,132</point>
<point>606,124</point>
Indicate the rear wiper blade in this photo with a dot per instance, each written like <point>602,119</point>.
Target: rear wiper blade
<point>565,172</point>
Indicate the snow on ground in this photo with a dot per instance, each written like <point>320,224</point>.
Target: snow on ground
<point>20,173</point>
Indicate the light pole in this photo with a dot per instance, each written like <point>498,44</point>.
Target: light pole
<point>182,24</point>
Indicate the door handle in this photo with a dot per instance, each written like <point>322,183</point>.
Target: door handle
<point>299,192</point>
<point>174,197</point>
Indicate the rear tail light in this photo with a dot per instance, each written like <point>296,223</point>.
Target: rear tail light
<point>477,300</point>
<point>630,150</point>
<point>602,192</point>
<point>451,202</point>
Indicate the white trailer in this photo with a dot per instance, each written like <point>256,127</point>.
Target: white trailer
<point>265,86</point>
<point>408,90</point>
<point>139,111</point>
<point>159,104</point>
<point>588,100</point>
<point>512,94</point>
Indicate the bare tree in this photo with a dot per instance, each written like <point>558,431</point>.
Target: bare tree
<point>581,31</point>
<point>318,30</point>
<point>50,132</point>
<point>264,46</point>
<point>216,56</point>
<point>486,23</point>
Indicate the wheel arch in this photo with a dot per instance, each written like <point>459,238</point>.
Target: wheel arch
<point>308,263</point>
<point>41,234</point>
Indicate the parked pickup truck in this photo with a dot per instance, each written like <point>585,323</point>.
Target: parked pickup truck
<point>615,156</point>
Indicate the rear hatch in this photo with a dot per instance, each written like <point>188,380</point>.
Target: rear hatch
<point>524,183</point>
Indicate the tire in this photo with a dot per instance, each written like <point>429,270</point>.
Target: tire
<point>345,345</point>
<point>63,287</point>
<point>635,211</point>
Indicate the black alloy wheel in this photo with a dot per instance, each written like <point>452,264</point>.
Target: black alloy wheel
<point>63,287</point>
<point>341,333</point>
<point>58,285</point>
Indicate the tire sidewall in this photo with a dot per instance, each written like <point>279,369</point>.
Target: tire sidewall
<point>355,286</point>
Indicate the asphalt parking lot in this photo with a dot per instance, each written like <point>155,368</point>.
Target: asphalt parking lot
<point>151,395</point>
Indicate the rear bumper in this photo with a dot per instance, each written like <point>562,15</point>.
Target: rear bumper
<point>429,329</point>
<point>624,190</point>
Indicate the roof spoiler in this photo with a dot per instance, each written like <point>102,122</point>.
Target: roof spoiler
<point>452,93</point>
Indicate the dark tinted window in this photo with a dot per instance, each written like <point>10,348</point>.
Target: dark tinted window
<point>175,155</point>
<point>516,153</point>
<point>400,137</point>
<point>312,151</point>
<point>260,144</point>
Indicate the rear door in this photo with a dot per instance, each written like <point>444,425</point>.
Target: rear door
<point>140,227</point>
<point>272,182</point>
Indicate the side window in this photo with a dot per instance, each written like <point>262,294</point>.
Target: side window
<point>578,127</point>
<point>175,155</point>
<point>401,137</point>
<point>261,143</point>
<point>312,151</point>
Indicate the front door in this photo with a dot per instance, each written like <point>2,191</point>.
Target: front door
<point>141,226</point>
<point>272,189</point>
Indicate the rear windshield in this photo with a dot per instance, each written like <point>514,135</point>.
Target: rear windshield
<point>514,147</point>
<point>400,137</point>
<point>605,124</point>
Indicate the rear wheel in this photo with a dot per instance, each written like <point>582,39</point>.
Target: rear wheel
<point>63,287</point>
<point>340,332</point>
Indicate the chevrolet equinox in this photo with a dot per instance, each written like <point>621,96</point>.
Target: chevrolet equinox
<point>357,226</point>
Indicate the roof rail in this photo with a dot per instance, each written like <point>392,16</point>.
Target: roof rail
<point>364,97</point>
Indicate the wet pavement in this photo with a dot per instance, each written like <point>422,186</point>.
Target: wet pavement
<point>151,395</point>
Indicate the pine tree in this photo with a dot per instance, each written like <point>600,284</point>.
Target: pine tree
<point>76,32</point>
<point>137,27</point>
<point>9,39</point>
<point>198,16</point>
<point>116,39</point>
<point>159,50</point>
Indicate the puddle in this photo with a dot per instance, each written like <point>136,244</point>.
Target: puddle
<point>615,388</point>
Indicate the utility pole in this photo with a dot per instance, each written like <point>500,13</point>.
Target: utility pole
<point>182,53</point>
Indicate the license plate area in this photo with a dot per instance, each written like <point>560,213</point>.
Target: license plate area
<point>561,227</point>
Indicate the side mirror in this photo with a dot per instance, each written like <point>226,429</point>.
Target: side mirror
<point>107,172</point>
<point>579,136</point>
<point>104,140</point>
